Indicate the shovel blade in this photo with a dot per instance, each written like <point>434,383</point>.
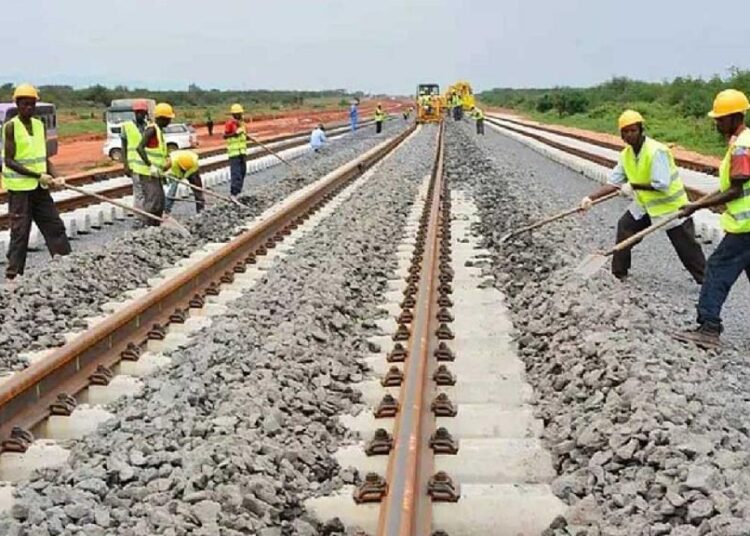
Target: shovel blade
<point>591,265</point>
<point>172,224</point>
<point>503,239</point>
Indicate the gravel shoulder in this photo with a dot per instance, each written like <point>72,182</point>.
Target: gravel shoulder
<point>649,436</point>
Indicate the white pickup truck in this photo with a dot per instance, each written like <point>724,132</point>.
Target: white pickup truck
<point>176,136</point>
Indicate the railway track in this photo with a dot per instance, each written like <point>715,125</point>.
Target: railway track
<point>211,160</point>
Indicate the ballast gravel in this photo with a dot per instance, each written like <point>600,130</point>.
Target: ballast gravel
<point>649,436</point>
<point>238,431</point>
<point>56,298</point>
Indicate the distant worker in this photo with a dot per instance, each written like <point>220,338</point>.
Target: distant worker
<point>478,115</point>
<point>457,107</point>
<point>647,171</point>
<point>379,118</point>
<point>236,136</point>
<point>209,123</point>
<point>318,138</point>
<point>732,255</point>
<point>354,114</point>
<point>131,135</point>
<point>27,175</point>
<point>185,166</point>
<point>153,151</point>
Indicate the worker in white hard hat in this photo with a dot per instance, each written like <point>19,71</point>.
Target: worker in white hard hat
<point>236,136</point>
<point>27,176</point>
<point>185,166</point>
<point>153,152</point>
<point>647,171</point>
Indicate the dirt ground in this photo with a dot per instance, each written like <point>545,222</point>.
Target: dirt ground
<point>84,153</point>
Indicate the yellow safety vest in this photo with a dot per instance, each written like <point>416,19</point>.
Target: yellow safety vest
<point>31,152</point>
<point>638,171</point>
<point>157,155</point>
<point>237,145</point>
<point>379,114</point>
<point>736,219</point>
<point>179,173</point>
<point>478,114</point>
<point>133,135</point>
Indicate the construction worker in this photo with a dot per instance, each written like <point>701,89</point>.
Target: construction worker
<point>184,166</point>
<point>27,176</point>
<point>209,123</point>
<point>131,134</point>
<point>478,115</point>
<point>153,151</point>
<point>379,118</point>
<point>732,256</point>
<point>457,107</point>
<point>236,136</point>
<point>354,114</point>
<point>318,138</point>
<point>647,171</point>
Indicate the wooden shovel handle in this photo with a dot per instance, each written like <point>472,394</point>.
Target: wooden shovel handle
<point>123,206</point>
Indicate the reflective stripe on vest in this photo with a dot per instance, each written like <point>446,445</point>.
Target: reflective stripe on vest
<point>157,155</point>
<point>638,171</point>
<point>736,219</point>
<point>31,152</point>
<point>133,135</point>
<point>237,145</point>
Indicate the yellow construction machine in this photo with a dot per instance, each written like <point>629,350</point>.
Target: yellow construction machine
<point>429,103</point>
<point>463,88</point>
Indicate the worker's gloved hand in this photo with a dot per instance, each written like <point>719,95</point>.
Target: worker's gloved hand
<point>58,182</point>
<point>626,190</point>
<point>46,180</point>
<point>155,171</point>
<point>586,203</point>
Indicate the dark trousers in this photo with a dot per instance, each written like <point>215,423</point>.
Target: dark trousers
<point>153,198</point>
<point>480,126</point>
<point>237,172</point>
<point>23,208</point>
<point>682,237</point>
<point>728,261</point>
<point>378,127</point>
<point>200,200</point>
<point>210,126</point>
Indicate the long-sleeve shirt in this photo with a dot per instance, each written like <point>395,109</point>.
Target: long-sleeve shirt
<point>317,138</point>
<point>353,112</point>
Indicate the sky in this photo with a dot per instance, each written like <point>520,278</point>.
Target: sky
<point>377,46</point>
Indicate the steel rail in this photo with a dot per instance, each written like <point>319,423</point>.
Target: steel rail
<point>28,396</point>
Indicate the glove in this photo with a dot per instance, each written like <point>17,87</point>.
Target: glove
<point>586,203</point>
<point>46,180</point>
<point>626,190</point>
<point>155,171</point>
<point>59,182</point>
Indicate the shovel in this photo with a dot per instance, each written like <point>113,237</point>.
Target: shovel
<point>274,153</point>
<point>169,222</point>
<point>558,216</point>
<point>594,262</point>
<point>206,191</point>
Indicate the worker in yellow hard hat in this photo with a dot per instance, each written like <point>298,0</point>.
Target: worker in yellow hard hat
<point>184,166</point>
<point>647,171</point>
<point>379,118</point>
<point>153,152</point>
<point>236,136</point>
<point>732,256</point>
<point>27,175</point>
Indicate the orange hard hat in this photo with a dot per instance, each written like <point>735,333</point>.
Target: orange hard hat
<point>140,106</point>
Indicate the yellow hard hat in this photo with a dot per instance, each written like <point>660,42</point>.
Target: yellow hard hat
<point>728,102</point>
<point>629,117</point>
<point>186,159</point>
<point>164,110</point>
<point>25,90</point>
<point>236,109</point>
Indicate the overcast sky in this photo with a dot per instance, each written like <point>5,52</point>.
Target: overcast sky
<point>376,45</point>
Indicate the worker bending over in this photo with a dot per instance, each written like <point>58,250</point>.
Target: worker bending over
<point>236,136</point>
<point>478,115</point>
<point>184,166</point>
<point>131,135</point>
<point>27,176</point>
<point>647,171</point>
<point>732,256</point>
<point>379,118</point>
<point>318,138</point>
<point>153,151</point>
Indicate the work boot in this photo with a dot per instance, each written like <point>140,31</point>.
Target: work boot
<point>705,336</point>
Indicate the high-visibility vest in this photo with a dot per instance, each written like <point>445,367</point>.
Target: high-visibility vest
<point>133,135</point>
<point>157,155</point>
<point>638,171</point>
<point>478,114</point>
<point>177,172</point>
<point>31,152</point>
<point>736,219</point>
<point>237,145</point>
<point>379,114</point>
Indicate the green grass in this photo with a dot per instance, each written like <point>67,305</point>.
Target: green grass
<point>663,122</point>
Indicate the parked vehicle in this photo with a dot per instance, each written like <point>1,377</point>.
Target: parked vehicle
<point>120,111</point>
